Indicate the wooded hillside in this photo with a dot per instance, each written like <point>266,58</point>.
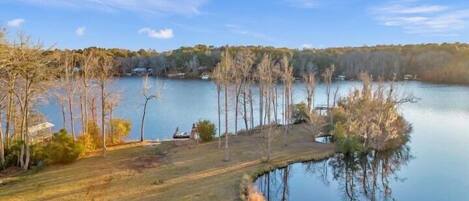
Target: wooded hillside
<point>443,63</point>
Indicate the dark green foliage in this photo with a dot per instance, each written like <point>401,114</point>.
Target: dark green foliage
<point>206,130</point>
<point>300,113</point>
<point>347,144</point>
<point>62,149</point>
<point>12,153</point>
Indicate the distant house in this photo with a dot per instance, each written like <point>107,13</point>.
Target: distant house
<point>40,132</point>
<point>205,76</point>
<point>340,77</point>
<point>140,71</point>
<point>410,77</point>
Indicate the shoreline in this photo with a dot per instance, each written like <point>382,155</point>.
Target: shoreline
<point>248,179</point>
<point>166,171</point>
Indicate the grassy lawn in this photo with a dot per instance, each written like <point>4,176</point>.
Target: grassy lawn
<point>165,171</point>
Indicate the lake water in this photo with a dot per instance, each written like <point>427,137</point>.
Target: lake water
<point>433,166</point>
<point>181,103</point>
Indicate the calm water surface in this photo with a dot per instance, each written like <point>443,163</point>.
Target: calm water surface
<point>434,165</point>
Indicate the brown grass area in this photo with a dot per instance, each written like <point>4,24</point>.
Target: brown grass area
<point>164,172</point>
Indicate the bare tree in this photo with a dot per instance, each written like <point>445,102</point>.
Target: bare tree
<point>2,147</point>
<point>104,72</point>
<point>217,76</point>
<point>287,78</point>
<point>30,62</point>
<point>310,84</point>
<point>3,63</point>
<point>70,86</point>
<point>327,77</point>
<point>224,68</point>
<point>146,87</point>
<point>88,60</point>
<point>242,64</point>
<point>8,80</point>
<point>264,73</point>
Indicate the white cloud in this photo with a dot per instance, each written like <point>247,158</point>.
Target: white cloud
<point>182,7</point>
<point>80,31</point>
<point>417,18</point>
<point>303,3</point>
<point>418,9</point>
<point>307,46</point>
<point>15,22</point>
<point>160,34</point>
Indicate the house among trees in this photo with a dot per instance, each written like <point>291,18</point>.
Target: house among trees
<point>140,71</point>
<point>410,77</point>
<point>340,78</point>
<point>40,132</point>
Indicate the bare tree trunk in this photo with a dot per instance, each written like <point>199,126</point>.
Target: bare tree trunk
<point>85,101</point>
<point>25,150</point>
<point>219,115</point>
<point>227,151</point>
<point>238,91</point>
<point>274,102</point>
<point>94,117</point>
<point>245,109</point>
<point>111,129</point>
<point>63,110</point>
<point>9,118</point>
<point>284,116</point>
<point>72,124</point>
<point>82,113</point>
<point>85,106</point>
<point>143,120</point>
<point>103,114</point>
<point>269,111</point>
<point>261,105</point>
<point>269,105</point>
<point>2,147</point>
<point>252,108</point>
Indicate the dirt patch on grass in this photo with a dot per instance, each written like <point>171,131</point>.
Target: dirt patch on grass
<point>144,162</point>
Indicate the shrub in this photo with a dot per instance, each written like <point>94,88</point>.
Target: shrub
<point>347,144</point>
<point>369,119</point>
<point>300,113</point>
<point>206,130</point>
<point>120,130</point>
<point>12,153</point>
<point>91,140</point>
<point>62,149</point>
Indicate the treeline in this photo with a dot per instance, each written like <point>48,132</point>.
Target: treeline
<point>443,63</point>
<point>30,74</point>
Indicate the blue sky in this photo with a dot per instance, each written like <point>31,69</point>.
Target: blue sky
<point>169,24</point>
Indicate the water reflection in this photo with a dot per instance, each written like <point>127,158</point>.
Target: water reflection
<point>355,177</point>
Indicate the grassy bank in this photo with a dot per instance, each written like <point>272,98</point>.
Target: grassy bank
<point>165,171</point>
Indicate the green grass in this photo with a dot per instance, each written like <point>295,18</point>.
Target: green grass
<point>165,172</point>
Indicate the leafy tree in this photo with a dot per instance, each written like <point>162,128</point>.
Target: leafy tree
<point>206,130</point>
<point>120,130</point>
<point>62,148</point>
